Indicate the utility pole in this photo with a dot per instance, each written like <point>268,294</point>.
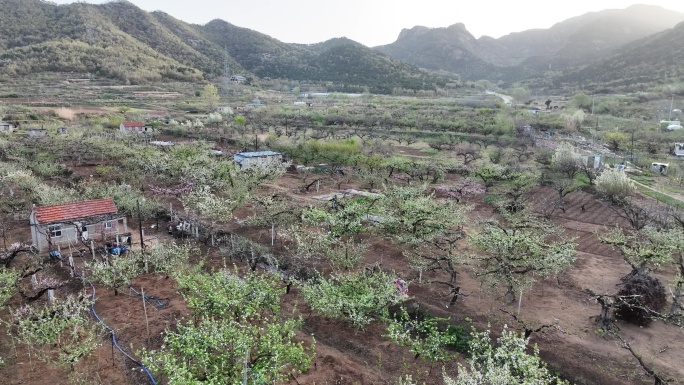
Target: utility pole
<point>142,244</point>
<point>631,151</point>
<point>226,68</point>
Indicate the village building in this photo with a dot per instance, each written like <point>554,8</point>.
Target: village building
<point>36,132</point>
<point>137,127</point>
<point>592,161</point>
<point>679,149</point>
<point>6,127</point>
<point>660,168</point>
<point>161,143</point>
<point>260,158</point>
<point>72,223</point>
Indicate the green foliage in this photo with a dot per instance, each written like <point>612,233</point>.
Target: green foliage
<point>104,171</point>
<point>320,245</point>
<point>347,218</point>
<point>521,94</point>
<point>647,248</point>
<point>29,185</point>
<point>582,101</point>
<point>512,193</point>
<point>410,211</point>
<point>66,325</point>
<point>425,336</point>
<point>220,352</point>
<point>122,41</point>
<point>241,331</point>
<point>62,55</point>
<point>125,198</point>
<point>428,228</point>
<point>168,257</point>
<point>616,140</point>
<point>489,173</point>
<point>274,210</point>
<point>210,95</point>
<point>206,203</point>
<point>519,248</point>
<point>8,284</point>
<point>240,120</point>
<point>46,169</point>
<point>643,179</point>
<point>115,273</point>
<point>506,363</point>
<point>226,295</point>
<point>358,298</point>
<point>49,195</point>
<point>333,153</point>
<point>668,200</point>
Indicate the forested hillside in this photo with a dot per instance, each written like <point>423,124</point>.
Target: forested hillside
<point>119,40</point>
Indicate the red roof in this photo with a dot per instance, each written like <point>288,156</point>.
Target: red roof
<point>75,210</point>
<point>134,124</point>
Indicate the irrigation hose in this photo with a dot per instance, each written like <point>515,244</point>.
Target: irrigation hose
<point>111,331</point>
<point>160,304</point>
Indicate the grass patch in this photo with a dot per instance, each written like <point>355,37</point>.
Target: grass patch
<point>643,179</point>
<point>672,189</point>
<point>581,180</point>
<point>431,151</point>
<point>492,198</point>
<point>661,197</point>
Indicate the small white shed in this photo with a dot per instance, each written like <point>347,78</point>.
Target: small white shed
<point>679,149</point>
<point>6,127</point>
<point>592,160</point>
<point>660,167</point>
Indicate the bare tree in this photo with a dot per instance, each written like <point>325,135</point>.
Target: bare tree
<point>469,152</point>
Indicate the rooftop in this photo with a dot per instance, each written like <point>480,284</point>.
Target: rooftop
<point>74,210</point>
<point>134,124</point>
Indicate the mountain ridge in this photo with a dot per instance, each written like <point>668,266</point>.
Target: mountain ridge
<point>119,40</point>
<point>571,42</point>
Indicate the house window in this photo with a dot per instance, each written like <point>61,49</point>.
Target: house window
<point>108,225</point>
<point>55,231</point>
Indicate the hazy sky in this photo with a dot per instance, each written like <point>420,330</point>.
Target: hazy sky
<point>377,22</point>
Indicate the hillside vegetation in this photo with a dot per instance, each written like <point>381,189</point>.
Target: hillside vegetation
<point>119,40</point>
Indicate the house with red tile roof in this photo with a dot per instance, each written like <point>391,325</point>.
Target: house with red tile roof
<point>75,222</point>
<point>138,127</point>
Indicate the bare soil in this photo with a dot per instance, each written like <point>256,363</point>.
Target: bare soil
<point>344,355</point>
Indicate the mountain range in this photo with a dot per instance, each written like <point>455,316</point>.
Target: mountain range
<point>574,42</point>
<point>639,44</point>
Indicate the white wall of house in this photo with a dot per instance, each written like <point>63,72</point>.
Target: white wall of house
<point>63,234</point>
<point>123,128</point>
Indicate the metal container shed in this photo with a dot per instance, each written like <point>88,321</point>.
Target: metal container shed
<point>260,158</point>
